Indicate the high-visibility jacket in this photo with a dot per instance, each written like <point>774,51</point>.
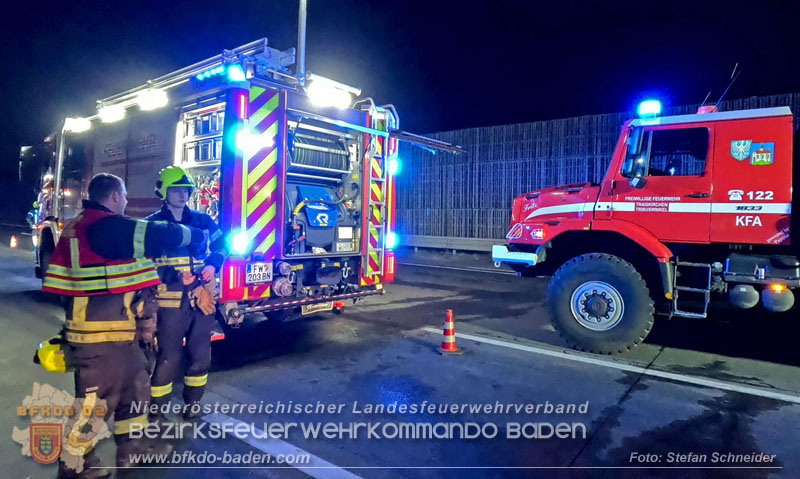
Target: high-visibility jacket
<point>105,292</point>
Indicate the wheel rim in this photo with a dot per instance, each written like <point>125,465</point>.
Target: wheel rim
<point>597,305</point>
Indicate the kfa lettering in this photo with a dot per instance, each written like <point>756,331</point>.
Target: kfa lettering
<point>748,221</point>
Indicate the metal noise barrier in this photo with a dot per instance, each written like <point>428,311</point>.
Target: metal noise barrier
<point>470,195</point>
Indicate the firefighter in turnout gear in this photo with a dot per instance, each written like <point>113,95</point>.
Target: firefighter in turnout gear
<point>100,268</point>
<point>186,296</point>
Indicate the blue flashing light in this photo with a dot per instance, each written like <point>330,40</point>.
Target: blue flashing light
<point>249,142</point>
<point>236,73</point>
<point>391,240</point>
<point>649,108</point>
<point>395,166</point>
<point>239,242</point>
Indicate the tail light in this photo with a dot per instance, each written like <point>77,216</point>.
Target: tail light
<point>388,267</point>
<point>515,209</point>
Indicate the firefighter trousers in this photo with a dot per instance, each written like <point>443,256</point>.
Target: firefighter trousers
<point>110,378</point>
<point>175,325</point>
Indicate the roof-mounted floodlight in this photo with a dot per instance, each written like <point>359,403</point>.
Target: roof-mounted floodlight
<point>111,113</point>
<point>325,92</point>
<point>649,108</point>
<point>151,99</point>
<point>77,125</point>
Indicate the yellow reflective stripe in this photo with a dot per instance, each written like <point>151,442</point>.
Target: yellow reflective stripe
<point>93,326</point>
<point>169,303</point>
<point>182,267</point>
<point>138,238</point>
<point>90,338</point>
<point>256,92</point>
<point>124,426</point>
<point>74,254</point>
<point>99,284</point>
<point>76,272</point>
<point>117,269</point>
<point>79,304</point>
<point>172,263</point>
<point>82,325</point>
<point>195,381</point>
<point>169,294</point>
<point>138,265</point>
<point>73,439</point>
<point>130,280</point>
<point>74,285</point>
<point>214,236</point>
<point>166,261</point>
<point>160,391</point>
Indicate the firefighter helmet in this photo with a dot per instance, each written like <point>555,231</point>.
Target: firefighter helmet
<point>50,355</point>
<point>173,176</point>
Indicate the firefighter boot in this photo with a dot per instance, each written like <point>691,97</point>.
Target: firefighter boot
<point>92,469</point>
<point>128,449</point>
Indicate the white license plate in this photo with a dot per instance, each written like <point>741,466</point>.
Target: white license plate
<point>258,273</point>
<point>316,308</point>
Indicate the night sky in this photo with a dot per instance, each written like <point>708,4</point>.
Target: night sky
<point>444,65</point>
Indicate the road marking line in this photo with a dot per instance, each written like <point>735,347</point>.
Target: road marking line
<point>725,386</point>
<point>315,467</point>
<point>479,270</point>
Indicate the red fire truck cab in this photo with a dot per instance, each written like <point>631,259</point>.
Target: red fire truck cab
<point>692,207</point>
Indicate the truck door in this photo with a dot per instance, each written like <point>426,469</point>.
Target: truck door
<point>665,183</point>
<point>753,181</point>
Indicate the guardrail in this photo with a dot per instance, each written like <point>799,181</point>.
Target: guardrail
<point>447,242</point>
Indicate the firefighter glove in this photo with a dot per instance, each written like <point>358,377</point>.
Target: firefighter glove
<point>202,298</point>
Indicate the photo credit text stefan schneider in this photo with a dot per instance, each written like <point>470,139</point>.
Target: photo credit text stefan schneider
<point>393,420</point>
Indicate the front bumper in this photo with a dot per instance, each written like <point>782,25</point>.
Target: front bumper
<point>501,254</point>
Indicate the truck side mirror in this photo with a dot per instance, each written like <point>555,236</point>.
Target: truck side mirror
<point>634,167</point>
<point>635,141</point>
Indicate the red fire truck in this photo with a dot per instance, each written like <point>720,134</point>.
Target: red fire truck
<point>299,176</point>
<point>692,208</point>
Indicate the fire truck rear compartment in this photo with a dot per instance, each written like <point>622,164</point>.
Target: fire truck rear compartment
<point>323,205</point>
<point>322,202</point>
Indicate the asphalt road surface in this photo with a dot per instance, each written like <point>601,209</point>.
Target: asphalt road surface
<point>698,399</point>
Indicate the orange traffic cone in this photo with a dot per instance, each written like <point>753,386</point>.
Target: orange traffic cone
<point>13,241</point>
<point>449,347</point>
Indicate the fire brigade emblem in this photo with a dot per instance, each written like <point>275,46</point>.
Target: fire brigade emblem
<point>740,149</point>
<point>45,442</point>
<point>762,154</point>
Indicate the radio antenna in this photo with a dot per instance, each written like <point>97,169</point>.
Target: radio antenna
<point>706,98</point>
<point>734,75</point>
